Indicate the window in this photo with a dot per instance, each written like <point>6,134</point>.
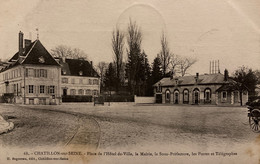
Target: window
<point>80,73</point>
<point>159,88</point>
<point>14,85</point>
<point>207,95</point>
<point>36,73</point>
<point>95,82</point>
<point>42,88</point>
<point>88,92</point>
<point>81,81</point>
<point>186,96</point>
<point>52,89</point>
<point>64,80</point>
<point>80,92</point>
<point>31,88</point>
<point>43,73</point>
<point>95,92</point>
<point>90,81</point>
<point>29,72</point>
<point>73,92</point>
<point>167,95</point>
<point>73,81</point>
<point>224,96</point>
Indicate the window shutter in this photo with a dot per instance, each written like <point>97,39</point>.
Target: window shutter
<point>27,89</point>
<point>38,89</point>
<point>56,91</point>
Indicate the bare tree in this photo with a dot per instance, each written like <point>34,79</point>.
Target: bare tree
<point>165,54</point>
<point>118,45</point>
<point>174,63</point>
<point>79,54</point>
<point>185,63</point>
<point>68,52</point>
<point>101,69</point>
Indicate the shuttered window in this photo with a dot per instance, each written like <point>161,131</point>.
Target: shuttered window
<point>31,88</point>
<point>42,87</point>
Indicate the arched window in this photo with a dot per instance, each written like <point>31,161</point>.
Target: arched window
<point>167,96</point>
<point>196,96</point>
<point>207,95</point>
<point>185,96</point>
<point>176,96</point>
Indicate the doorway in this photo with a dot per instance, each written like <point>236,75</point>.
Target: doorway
<point>64,92</point>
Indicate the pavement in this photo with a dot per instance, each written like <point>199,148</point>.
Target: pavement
<point>5,126</point>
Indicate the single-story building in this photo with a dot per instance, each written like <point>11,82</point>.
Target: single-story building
<point>215,89</point>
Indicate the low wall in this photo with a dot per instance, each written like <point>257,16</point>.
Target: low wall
<point>144,100</point>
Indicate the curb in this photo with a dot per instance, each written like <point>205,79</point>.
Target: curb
<point>5,126</point>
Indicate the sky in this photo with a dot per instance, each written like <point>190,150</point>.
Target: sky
<point>224,30</point>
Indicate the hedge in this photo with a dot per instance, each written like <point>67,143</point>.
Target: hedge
<point>74,98</point>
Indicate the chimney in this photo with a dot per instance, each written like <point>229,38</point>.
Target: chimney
<point>27,42</point>
<point>197,77</point>
<point>225,75</point>
<point>63,59</point>
<point>20,43</point>
<point>176,80</point>
<point>91,63</point>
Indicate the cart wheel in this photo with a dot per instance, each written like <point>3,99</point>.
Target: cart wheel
<point>254,120</point>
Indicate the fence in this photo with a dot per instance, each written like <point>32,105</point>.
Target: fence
<point>144,100</point>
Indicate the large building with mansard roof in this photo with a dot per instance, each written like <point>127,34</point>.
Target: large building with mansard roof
<point>215,88</point>
<point>31,76</point>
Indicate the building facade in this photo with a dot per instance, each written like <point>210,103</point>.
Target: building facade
<point>78,78</point>
<point>31,76</point>
<point>217,89</point>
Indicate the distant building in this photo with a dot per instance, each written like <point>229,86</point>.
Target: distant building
<point>31,76</point>
<point>78,77</point>
<point>215,89</point>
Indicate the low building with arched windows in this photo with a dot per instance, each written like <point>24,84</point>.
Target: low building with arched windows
<point>217,89</point>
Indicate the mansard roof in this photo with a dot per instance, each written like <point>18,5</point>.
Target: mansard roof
<point>77,67</point>
<point>35,54</point>
<point>191,80</point>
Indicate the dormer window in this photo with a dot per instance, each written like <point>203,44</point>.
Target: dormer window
<point>176,81</point>
<point>80,73</point>
<point>64,72</point>
<point>159,88</point>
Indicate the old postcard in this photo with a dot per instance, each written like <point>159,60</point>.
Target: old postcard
<point>91,81</point>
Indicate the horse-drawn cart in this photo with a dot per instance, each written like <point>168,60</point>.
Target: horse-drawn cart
<point>254,115</point>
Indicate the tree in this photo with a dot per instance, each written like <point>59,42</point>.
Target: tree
<point>165,54</point>
<point>68,52</point>
<point>101,69</point>
<point>246,80</point>
<point>109,79</point>
<point>174,63</point>
<point>144,75</point>
<point>134,40</point>
<point>257,74</point>
<point>118,45</point>
<point>156,70</point>
<point>184,64</point>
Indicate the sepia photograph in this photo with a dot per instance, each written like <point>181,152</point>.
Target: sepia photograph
<point>138,81</point>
